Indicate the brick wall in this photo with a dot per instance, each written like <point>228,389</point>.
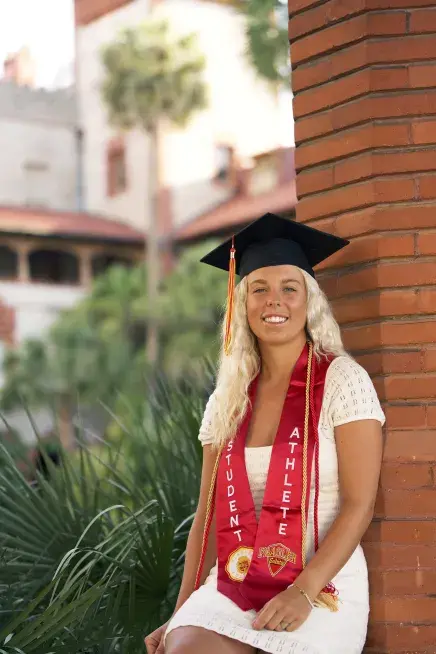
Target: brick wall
<point>364,78</point>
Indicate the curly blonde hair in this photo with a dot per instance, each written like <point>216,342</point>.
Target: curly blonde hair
<point>237,370</point>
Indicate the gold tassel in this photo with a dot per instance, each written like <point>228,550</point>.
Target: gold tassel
<point>327,601</point>
<point>230,299</point>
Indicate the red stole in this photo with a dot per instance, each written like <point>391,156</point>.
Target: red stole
<point>258,561</point>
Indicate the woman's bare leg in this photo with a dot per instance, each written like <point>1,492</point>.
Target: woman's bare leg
<point>187,640</point>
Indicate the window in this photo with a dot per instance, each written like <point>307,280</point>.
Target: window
<point>223,163</point>
<point>54,267</point>
<point>116,168</point>
<point>119,171</point>
<point>8,263</point>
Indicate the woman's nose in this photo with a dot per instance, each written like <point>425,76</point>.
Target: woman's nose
<point>272,301</point>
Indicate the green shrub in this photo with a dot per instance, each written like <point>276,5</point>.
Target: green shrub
<point>91,556</point>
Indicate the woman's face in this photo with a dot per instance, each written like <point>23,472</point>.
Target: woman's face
<point>276,303</point>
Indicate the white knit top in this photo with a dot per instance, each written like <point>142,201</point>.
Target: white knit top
<point>349,395</point>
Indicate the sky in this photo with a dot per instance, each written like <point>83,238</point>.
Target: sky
<point>47,27</point>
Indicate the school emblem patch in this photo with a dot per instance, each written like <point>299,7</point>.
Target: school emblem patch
<point>277,557</point>
<point>239,562</point>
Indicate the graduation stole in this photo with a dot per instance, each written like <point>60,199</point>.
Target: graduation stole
<point>256,561</point>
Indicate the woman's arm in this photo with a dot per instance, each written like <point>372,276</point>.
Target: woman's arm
<point>195,538</point>
<point>359,450</point>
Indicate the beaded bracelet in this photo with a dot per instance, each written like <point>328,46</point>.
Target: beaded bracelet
<point>303,592</point>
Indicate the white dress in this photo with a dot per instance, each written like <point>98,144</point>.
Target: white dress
<point>349,395</point>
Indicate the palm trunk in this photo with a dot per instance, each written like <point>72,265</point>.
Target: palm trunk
<point>153,250</point>
<point>65,421</point>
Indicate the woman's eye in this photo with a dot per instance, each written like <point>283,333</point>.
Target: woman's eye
<point>259,290</point>
<point>289,288</point>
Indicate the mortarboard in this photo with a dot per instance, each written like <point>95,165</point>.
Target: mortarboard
<point>271,241</point>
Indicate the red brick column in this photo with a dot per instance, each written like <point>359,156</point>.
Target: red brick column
<point>364,79</point>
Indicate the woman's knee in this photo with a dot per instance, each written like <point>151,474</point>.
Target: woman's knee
<point>187,640</point>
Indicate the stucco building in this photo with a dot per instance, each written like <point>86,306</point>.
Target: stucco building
<point>40,142</point>
<point>244,117</point>
<point>50,249</point>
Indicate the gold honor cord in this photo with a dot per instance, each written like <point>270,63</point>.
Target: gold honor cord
<point>208,520</point>
<point>324,599</point>
<point>305,445</point>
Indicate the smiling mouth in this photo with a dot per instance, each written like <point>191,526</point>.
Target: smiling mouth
<point>275,320</point>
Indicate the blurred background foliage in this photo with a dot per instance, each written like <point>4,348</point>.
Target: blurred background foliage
<point>92,538</point>
<point>91,552</point>
<point>95,352</point>
<point>93,524</point>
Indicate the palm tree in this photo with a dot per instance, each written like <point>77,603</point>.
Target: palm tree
<point>91,560</point>
<point>152,78</point>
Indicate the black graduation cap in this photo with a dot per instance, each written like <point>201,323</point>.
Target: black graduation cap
<point>272,241</point>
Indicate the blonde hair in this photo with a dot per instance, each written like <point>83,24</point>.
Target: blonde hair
<point>237,371</point>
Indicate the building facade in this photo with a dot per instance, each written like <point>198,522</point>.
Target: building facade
<point>50,249</point>
<point>268,186</point>
<point>40,144</point>
<point>243,119</point>
<point>48,260</point>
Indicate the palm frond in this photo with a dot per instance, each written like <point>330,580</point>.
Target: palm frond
<point>82,571</point>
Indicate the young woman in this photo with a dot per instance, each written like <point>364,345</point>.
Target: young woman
<point>292,453</point>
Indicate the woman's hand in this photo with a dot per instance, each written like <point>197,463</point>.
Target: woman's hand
<point>289,608</point>
<point>154,642</point>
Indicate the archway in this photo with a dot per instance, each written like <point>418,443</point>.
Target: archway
<point>54,266</point>
<point>8,263</point>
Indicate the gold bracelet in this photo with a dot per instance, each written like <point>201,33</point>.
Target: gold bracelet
<point>303,592</point>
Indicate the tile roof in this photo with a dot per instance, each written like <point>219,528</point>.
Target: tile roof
<point>239,210</point>
<point>65,224</point>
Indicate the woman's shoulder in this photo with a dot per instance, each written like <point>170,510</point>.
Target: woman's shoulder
<point>346,369</point>
<point>349,392</point>
<point>205,433</point>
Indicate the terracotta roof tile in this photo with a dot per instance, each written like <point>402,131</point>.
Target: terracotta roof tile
<point>65,224</point>
<point>239,210</point>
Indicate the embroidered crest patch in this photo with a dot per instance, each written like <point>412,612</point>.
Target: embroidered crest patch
<point>239,562</point>
<point>277,557</point>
